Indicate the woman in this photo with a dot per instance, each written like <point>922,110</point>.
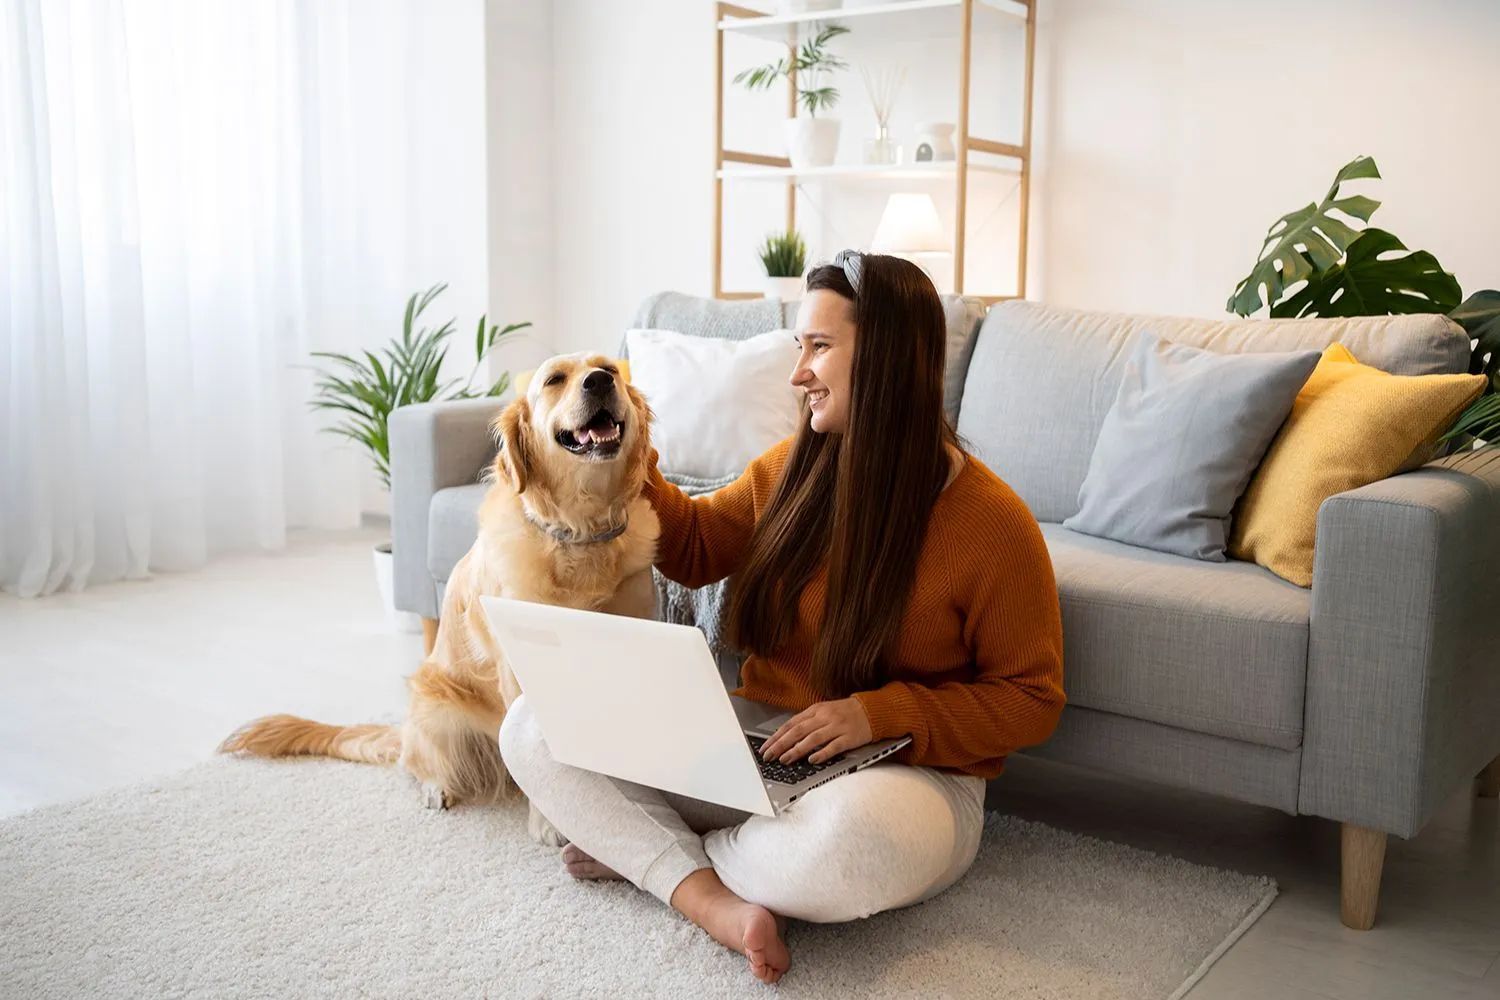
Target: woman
<point>887,583</point>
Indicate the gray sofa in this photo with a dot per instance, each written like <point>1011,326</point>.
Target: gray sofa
<point>1366,699</point>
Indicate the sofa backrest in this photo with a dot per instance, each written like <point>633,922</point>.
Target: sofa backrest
<point>1043,377</point>
<point>740,319</point>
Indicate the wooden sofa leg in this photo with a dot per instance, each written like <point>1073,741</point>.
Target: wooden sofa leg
<point>429,635</point>
<point>1362,853</point>
<point>1489,781</point>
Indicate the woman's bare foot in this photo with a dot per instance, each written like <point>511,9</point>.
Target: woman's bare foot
<point>580,865</point>
<point>741,926</point>
<point>763,942</point>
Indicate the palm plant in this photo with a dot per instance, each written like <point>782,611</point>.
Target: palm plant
<point>367,389</point>
<point>811,59</point>
<point>784,255</point>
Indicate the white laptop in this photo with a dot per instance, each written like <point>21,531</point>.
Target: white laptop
<point>643,700</point>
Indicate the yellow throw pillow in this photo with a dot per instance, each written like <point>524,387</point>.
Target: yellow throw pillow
<point>522,379</point>
<point>1351,425</point>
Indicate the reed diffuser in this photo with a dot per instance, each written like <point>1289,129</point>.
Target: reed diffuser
<point>883,86</point>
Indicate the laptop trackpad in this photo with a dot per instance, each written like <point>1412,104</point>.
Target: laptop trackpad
<point>758,717</point>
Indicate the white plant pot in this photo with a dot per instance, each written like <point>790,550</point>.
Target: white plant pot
<point>812,142</point>
<point>385,576</point>
<point>785,289</point>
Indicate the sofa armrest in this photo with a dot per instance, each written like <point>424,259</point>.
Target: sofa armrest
<point>433,446</point>
<point>1403,669</point>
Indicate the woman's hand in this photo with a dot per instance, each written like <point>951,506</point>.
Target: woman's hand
<point>835,726</point>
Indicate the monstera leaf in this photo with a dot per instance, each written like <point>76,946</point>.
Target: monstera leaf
<point>1480,318</point>
<point>1306,242</point>
<point>1365,284</point>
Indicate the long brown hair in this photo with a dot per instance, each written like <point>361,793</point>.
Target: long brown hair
<point>883,473</point>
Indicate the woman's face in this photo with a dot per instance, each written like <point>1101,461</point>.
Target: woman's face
<point>825,338</point>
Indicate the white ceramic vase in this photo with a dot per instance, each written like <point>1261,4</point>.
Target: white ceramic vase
<point>785,289</point>
<point>812,142</point>
<point>385,575</point>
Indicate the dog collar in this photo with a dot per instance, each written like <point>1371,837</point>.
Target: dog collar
<point>564,535</point>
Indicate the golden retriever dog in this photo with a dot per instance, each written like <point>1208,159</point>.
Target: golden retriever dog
<point>563,523</point>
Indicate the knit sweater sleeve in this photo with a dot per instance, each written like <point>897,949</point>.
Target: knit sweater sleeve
<point>1002,581</point>
<point>705,538</point>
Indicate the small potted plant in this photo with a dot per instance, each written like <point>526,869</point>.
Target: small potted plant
<point>784,255</point>
<point>810,141</point>
<point>367,389</point>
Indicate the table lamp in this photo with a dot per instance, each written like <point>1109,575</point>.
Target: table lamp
<point>910,228</point>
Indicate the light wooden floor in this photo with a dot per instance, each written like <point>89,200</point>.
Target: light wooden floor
<point>133,680</point>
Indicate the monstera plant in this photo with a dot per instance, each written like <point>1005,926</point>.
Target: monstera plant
<point>1314,263</point>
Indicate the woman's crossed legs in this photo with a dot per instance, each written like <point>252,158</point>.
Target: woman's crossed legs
<point>882,838</point>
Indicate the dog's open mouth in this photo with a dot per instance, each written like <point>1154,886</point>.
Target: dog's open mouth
<point>600,436</point>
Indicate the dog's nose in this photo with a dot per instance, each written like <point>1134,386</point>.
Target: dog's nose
<point>598,382</point>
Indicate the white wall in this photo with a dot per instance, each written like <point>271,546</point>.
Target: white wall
<point>419,112</point>
<point>520,219</point>
<point>632,158</point>
<point>1175,132</point>
<point>1169,134</point>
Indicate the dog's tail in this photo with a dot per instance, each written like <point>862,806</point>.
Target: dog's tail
<point>289,736</point>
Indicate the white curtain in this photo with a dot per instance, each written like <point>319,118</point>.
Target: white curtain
<point>184,206</point>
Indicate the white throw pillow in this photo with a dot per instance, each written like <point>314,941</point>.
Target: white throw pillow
<point>718,403</point>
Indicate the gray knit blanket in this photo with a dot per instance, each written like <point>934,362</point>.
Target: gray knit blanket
<point>701,607</point>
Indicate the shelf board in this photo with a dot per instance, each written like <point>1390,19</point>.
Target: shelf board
<point>939,170</point>
<point>908,17</point>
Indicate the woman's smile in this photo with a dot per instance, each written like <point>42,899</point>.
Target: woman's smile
<point>825,338</point>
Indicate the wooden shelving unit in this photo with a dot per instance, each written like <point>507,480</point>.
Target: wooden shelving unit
<point>913,18</point>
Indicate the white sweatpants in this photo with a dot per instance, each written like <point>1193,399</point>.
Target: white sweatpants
<point>885,837</point>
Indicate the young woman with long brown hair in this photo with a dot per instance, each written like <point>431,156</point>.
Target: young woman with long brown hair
<point>886,583</point>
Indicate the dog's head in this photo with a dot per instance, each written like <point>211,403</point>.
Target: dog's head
<point>578,416</point>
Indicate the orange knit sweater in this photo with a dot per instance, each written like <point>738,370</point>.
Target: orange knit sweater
<point>976,671</point>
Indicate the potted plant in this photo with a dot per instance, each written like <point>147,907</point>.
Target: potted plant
<point>810,141</point>
<point>368,388</point>
<point>1314,264</point>
<point>784,255</point>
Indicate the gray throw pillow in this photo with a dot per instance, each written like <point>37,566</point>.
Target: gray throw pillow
<point>1186,432</point>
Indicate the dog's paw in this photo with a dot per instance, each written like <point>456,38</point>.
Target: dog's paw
<point>542,830</point>
<point>434,797</point>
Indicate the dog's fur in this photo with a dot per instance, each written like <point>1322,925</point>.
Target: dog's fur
<point>461,691</point>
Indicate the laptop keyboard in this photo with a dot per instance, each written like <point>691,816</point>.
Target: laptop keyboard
<point>787,774</point>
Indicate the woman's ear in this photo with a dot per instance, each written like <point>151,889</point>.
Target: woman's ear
<point>515,443</point>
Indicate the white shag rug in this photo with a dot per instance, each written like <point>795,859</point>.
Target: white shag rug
<point>313,878</point>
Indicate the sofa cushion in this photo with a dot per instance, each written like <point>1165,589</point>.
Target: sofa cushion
<point>1182,440</point>
<point>1042,378</point>
<point>718,404</point>
<point>452,526</point>
<point>1217,648</point>
<point>1352,425</point>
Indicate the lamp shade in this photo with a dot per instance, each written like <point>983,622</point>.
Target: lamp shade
<point>909,224</point>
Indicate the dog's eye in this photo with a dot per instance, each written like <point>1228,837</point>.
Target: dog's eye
<point>554,379</point>
<point>612,369</point>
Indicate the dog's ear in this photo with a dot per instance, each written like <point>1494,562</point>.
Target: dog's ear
<point>643,410</point>
<point>515,443</point>
<point>640,451</point>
